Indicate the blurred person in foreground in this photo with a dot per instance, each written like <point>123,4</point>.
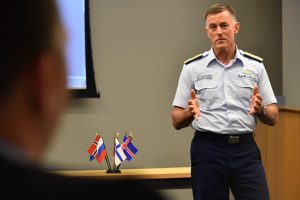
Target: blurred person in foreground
<point>33,97</point>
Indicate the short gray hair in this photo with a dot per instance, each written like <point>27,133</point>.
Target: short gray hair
<point>217,8</point>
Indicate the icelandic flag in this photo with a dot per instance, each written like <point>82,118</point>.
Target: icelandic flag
<point>128,148</point>
<point>101,151</point>
<point>93,148</point>
<point>118,153</point>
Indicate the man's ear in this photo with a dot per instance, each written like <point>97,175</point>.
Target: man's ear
<point>237,27</point>
<point>206,30</point>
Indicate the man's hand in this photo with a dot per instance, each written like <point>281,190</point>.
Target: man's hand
<point>183,117</point>
<point>256,102</point>
<point>193,105</point>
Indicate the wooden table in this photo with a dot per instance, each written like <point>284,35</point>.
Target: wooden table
<point>156,178</point>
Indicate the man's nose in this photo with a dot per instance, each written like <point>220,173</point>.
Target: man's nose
<point>219,30</point>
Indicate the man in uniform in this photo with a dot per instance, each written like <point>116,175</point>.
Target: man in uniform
<point>220,94</point>
<point>32,98</point>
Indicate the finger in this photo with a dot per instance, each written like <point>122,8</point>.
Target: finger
<point>257,103</point>
<point>195,114</point>
<point>259,97</point>
<point>255,91</point>
<point>192,102</point>
<point>256,108</point>
<point>191,107</point>
<point>193,94</point>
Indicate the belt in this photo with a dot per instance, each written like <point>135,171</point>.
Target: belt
<point>225,138</point>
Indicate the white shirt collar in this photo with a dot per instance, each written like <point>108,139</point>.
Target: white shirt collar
<point>212,57</point>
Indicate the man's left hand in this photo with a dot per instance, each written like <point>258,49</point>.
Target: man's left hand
<point>256,102</point>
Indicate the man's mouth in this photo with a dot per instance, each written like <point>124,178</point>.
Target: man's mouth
<point>221,39</point>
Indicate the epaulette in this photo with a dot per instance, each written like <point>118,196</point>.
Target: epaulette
<point>254,57</point>
<point>197,57</point>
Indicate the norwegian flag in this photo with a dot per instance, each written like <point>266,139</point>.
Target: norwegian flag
<point>93,148</point>
<point>128,148</point>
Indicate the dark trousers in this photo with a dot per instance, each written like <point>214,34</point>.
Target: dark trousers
<point>218,165</point>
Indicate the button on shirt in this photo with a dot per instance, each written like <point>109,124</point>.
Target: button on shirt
<point>224,92</point>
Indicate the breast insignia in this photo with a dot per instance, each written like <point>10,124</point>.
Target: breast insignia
<point>197,57</point>
<point>254,57</point>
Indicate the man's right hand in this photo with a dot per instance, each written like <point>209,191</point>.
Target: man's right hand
<point>182,117</point>
<point>194,105</point>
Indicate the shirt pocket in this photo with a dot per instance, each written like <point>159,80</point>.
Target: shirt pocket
<point>207,94</point>
<point>244,91</point>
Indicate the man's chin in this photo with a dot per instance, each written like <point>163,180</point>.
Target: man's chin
<point>220,46</point>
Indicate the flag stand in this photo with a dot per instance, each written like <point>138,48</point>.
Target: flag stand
<point>116,171</point>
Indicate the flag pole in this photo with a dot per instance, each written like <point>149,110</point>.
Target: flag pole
<point>106,159</point>
<point>115,136</point>
<point>130,136</point>
<point>107,162</point>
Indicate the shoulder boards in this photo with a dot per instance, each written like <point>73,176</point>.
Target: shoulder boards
<point>254,57</point>
<point>197,57</point>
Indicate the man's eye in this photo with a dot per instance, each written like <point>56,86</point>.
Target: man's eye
<point>212,27</point>
<point>224,26</point>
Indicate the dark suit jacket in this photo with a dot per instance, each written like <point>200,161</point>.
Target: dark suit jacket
<point>24,182</point>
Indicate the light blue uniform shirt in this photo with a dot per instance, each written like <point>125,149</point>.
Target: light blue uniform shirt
<point>224,92</point>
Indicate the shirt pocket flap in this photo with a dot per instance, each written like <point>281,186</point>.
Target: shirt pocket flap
<point>244,82</point>
<point>200,85</point>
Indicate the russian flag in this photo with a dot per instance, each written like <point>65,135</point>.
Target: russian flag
<point>128,148</point>
<point>101,151</point>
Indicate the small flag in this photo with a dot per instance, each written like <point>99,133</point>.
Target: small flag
<point>118,153</point>
<point>97,149</point>
<point>128,148</point>
<point>93,148</point>
<point>101,151</point>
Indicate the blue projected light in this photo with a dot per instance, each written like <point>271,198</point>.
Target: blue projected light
<point>80,76</point>
<point>73,17</point>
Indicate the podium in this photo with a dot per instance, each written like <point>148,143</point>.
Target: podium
<point>280,149</point>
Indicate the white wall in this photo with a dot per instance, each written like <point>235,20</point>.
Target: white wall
<point>291,51</point>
